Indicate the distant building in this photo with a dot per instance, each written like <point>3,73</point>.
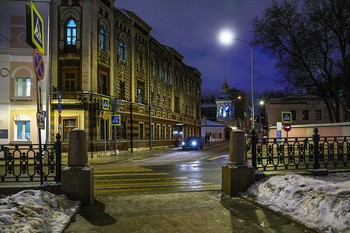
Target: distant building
<point>303,109</point>
<point>231,109</point>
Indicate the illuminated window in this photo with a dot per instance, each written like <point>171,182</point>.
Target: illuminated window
<point>23,130</point>
<point>122,51</point>
<point>21,127</point>
<point>23,85</point>
<point>140,92</point>
<point>103,39</point>
<point>71,30</point>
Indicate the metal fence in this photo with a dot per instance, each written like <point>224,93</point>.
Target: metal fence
<point>300,153</point>
<point>27,162</point>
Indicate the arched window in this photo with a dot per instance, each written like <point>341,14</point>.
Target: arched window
<point>103,39</point>
<point>71,30</point>
<point>122,51</point>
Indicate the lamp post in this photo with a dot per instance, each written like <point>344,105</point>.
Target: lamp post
<point>226,37</point>
<point>252,82</point>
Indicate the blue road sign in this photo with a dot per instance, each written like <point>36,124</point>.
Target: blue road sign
<point>115,120</point>
<point>287,117</point>
<point>105,103</point>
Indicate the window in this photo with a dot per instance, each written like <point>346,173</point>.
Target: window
<point>139,95</point>
<point>158,132</point>
<point>153,131</point>
<point>140,92</point>
<point>169,130</point>
<point>23,85</point>
<point>122,51</point>
<point>294,115</point>
<point>305,115</point>
<point>177,104</point>
<point>69,82</point>
<point>318,115</point>
<point>68,125</point>
<point>71,30</point>
<point>122,91</point>
<point>142,130</point>
<point>22,130</point>
<point>140,62</point>
<point>102,84</point>
<point>103,39</point>
<point>164,132</point>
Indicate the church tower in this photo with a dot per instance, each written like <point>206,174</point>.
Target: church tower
<point>225,106</point>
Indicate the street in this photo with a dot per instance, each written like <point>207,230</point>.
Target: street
<point>171,190</point>
<point>163,170</point>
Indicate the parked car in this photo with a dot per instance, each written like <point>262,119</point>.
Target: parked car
<point>195,143</point>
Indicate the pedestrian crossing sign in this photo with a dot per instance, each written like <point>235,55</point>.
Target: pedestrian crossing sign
<point>115,120</point>
<point>34,27</point>
<point>286,117</point>
<point>105,104</point>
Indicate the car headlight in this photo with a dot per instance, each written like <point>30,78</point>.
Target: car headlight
<point>194,143</point>
<point>183,143</point>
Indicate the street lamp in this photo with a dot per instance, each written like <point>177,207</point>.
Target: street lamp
<point>226,38</point>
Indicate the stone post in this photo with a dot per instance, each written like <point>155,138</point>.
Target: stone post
<point>78,176</point>
<point>237,175</point>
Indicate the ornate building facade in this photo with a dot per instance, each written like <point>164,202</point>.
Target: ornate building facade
<point>106,64</point>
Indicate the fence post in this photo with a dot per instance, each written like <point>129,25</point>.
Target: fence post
<point>58,157</point>
<point>253,148</point>
<point>316,139</point>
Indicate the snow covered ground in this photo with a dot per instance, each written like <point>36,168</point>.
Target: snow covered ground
<point>35,211</point>
<point>322,203</point>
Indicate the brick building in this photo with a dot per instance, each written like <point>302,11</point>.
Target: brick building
<point>102,61</point>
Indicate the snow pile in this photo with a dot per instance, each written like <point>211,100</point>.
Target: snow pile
<point>35,211</point>
<point>319,204</point>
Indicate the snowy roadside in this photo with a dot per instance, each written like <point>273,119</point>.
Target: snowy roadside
<point>321,203</point>
<point>35,211</point>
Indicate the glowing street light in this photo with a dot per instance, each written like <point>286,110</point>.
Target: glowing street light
<point>226,37</point>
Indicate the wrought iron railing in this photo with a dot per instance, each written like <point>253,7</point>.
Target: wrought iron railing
<point>25,162</point>
<point>300,153</point>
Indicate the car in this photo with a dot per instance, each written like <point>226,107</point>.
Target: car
<point>194,143</point>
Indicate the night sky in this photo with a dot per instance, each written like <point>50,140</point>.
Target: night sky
<point>192,27</point>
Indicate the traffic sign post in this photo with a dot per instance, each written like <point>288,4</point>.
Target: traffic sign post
<point>35,38</point>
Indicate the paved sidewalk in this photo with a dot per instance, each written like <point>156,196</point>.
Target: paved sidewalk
<point>207,211</point>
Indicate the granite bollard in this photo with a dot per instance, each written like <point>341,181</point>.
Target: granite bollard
<point>78,176</point>
<point>237,175</point>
